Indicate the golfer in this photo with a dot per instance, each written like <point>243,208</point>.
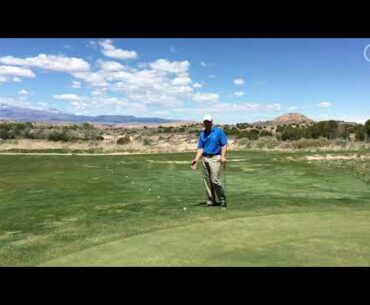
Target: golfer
<point>212,145</point>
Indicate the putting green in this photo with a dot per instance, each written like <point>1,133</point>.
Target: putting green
<point>332,238</point>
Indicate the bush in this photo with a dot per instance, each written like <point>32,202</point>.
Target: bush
<point>265,133</point>
<point>123,140</point>
<point>57,135</point>
<point>242,125</point>
<point>147,142</point>
<point>360,133</point>
<point>291,133</point>
<point>328,129</point>
<point>167,129</point>
<point>243,134</point>
<point>253,134</point>
<point>88,126</point>
<point>367,129</point>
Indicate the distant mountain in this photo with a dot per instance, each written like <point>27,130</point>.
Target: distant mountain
<point>287,119</point>
<point>14,113</point>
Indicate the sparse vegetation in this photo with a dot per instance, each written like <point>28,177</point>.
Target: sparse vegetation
<point>242,135</point>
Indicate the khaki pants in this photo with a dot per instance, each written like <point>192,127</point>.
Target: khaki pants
<point>211,167</point>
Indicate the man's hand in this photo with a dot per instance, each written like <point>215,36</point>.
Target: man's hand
<point>223,161</point>
<point>194,164</point>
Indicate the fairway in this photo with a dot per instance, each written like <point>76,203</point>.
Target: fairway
<point>146,210</point>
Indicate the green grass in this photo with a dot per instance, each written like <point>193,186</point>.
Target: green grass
<point>128,210</point>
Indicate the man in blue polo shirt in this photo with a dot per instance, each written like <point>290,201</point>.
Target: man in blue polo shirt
<point>212,145</point>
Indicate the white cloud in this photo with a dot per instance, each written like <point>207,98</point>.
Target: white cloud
<point>163,65</point>
<point>95,79</point>
<point>197,85</point>
<point>324,105</point>
<point>16,71</point>
<point>16,79</point>
<point>248,107</point>
<point>69,97</point>
<point>14,102</point>
<point>238,81</point>
<point>223,111</point>
<point>98,92</point>
<point>239,93</point>
<point>110,66</point>
<point>205,65</point>
<point>161,82</point>
<point>111,51</point>
<point>23,92</point>
<point>3,79</point>
<point>182,80</point>
<point>48,62</point>
<point>212,76</point>
<point>159,112</point>
<point>76,84</point>
<point>205,97</point>
<point>43,104</point>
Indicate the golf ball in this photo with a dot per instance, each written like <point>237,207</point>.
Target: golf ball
<point>184,209</point>
<point>158,196</point>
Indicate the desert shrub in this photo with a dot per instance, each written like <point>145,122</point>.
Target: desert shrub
<point>310,143</point>
<point>291,133</point>
<point>253,134</point>
<point>147,142</point>
<point>267,142</point>
<point>167,129</point>
<point>123,140</point>
<point>57,135</point>
<point>245,143</point>
<point>367,129</point>
<point>87,126</point>
<point>265,133</point>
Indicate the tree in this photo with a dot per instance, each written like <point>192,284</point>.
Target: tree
<point>291,133</point>
<point>367,129</point>
<point>359,132</point>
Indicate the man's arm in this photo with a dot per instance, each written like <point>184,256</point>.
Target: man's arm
<point>223,148</point>
<point>197,158</point>
<point>223,155</point>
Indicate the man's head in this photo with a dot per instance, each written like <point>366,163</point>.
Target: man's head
<point>207,121</point>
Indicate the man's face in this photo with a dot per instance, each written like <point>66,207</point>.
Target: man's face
<point>208,125</point>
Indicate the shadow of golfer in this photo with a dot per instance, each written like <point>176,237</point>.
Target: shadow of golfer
<point>204,204</point>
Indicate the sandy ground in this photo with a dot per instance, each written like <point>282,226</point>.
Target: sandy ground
<point>178,144</point>
<point>331,157</point>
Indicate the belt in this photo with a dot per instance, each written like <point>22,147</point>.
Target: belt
<point>209,155</point>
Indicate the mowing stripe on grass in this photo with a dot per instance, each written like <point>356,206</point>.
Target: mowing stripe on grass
<point>297,239</point>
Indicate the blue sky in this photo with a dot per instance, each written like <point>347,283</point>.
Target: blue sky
<point>235,80</point>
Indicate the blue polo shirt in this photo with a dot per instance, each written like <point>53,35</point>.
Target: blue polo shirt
<point>212,141</point>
